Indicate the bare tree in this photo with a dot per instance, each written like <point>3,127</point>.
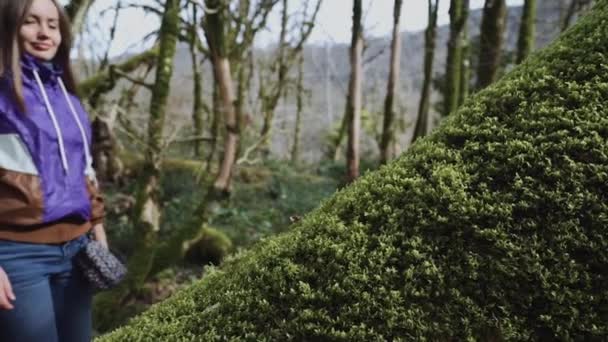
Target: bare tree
<point>354,99</point>
<point>285,58</point>
<point>429,53</point>
<point>390,105</point>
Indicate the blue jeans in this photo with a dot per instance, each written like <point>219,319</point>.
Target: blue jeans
<point>53,301</point>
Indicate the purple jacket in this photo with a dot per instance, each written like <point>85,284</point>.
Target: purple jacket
<point>46,174</point>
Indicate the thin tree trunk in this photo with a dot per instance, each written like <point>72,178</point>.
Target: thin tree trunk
<point>241,95</point>
<point>491,41</point>
<point>354,105</point>
<point>465,67</point>
<point>525,42</point>
<point>458,20</point>
<point>269,103</point>
<point>215,124</point>
<point>226,92</point>
<point>388,133</point>
<point>429,52</point>
<point>569,15</point>
<point>295,150</point>
<point>337,142</point>
<point>197,107</point>
<point>214,27</point>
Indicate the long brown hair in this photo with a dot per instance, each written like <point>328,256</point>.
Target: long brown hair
<point>12,15</point>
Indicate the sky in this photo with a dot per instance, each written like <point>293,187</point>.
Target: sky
<point>333,24</point>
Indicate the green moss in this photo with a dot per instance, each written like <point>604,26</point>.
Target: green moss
<point>211,246</point>
<point>493,227</point>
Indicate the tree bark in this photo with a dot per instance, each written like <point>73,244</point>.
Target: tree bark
<point>430,33</point>
<point>226,92</point>
<point>354,105</point>
<point>388,134</point>
<point>491,41</point>
<point>215,27</point>
<point>458,20</point>
<point>465,67</point>
<point>215,124</point>
<point>525,41</point>
<point>337,142</point>
<point>197,107</point>
<point>295,150</point>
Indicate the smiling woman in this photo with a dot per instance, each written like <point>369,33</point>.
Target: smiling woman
<point>49,199</point>
<point>39,35</point>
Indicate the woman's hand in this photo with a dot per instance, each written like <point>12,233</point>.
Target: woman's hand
<point>100,235</point>
<point>6,292</point>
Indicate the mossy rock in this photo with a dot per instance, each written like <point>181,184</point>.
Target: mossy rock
<point>253,174</point>
<point>492,228</point>
<point>210,247</point>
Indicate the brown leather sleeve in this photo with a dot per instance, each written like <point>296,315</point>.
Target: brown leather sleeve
<point>97,203</point>
<point>21,200</point>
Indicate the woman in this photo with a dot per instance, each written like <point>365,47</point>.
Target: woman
<point>48,194</point>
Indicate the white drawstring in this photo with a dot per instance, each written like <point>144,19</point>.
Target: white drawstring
<point>87,153</point>
<point>49,109</point>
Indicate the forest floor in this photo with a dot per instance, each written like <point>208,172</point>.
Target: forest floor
<point>264,201</point>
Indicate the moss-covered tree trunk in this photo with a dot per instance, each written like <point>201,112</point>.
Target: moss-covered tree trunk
<point>525,41</point>
<point>354,103</point>
<point>77,11</point>
<point>103,82</point>
<point>295,149</point>
<point>390,105</point>
<point>147,211</point>
<point>148,208</point>
<point>458,21</point>
<point>491,41</point>
<point>197,107</point>
<point>430,33</point>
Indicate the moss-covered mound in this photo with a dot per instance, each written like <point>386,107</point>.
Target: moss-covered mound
<point>493,228</point>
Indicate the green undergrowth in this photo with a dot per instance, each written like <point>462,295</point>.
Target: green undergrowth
<point>264,201</point>
<point>492,228</point>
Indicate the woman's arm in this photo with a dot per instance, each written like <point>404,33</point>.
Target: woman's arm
<point>100,234</point>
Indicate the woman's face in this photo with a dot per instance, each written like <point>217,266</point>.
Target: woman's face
<point>39,34</point>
